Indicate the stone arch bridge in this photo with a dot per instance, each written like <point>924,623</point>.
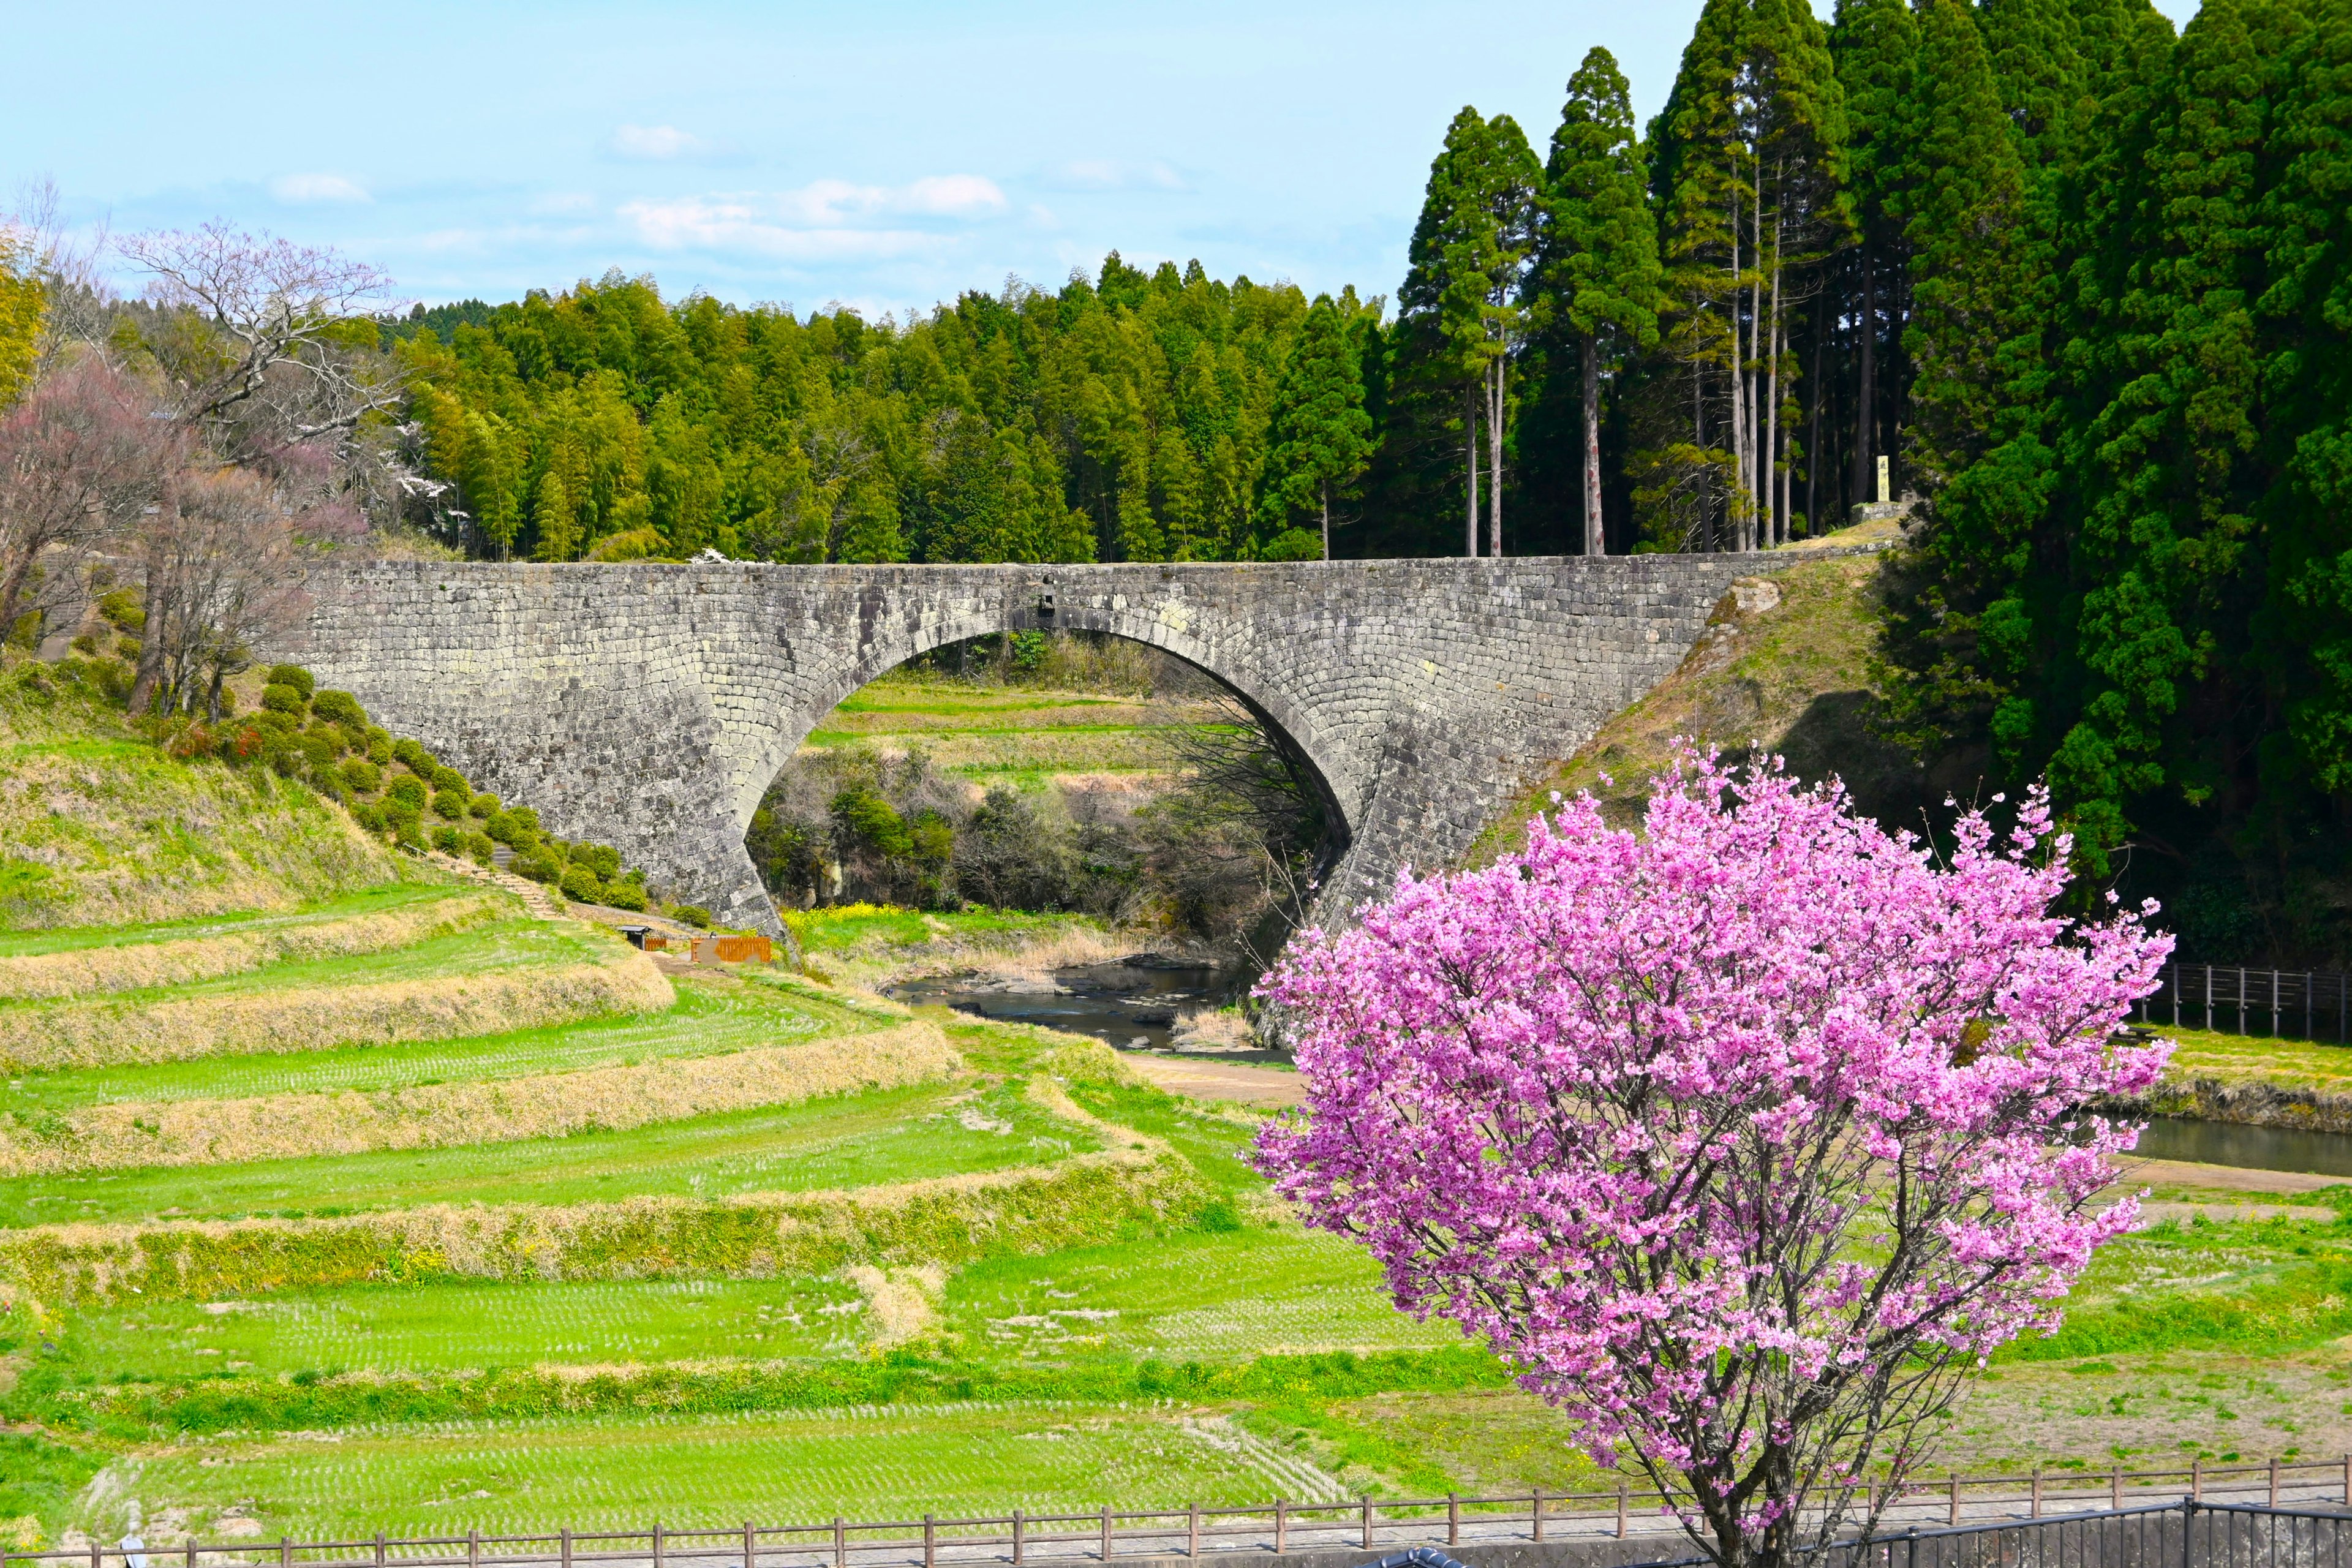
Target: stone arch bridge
<point>650,706</point>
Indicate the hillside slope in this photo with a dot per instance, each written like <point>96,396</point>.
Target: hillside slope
<point>1782,669</point>
<point>98,828</point>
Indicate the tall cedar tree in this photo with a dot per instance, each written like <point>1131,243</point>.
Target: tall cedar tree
<point>1875,44</point>
<point>1461,309</point>
<point>1748,166</point>
<point>1322,438</point>
<point>1596,283</point>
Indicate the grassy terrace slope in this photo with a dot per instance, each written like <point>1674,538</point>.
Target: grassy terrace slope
<point>701,1246</point>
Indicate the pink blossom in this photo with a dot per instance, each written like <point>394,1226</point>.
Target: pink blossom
<point>1742,1137</point>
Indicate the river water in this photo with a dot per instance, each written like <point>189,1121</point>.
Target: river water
<point>1133,1003</point>
<point>2256,1148</point>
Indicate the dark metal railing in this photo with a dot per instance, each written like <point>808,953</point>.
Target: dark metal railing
<point>2296,1004</point>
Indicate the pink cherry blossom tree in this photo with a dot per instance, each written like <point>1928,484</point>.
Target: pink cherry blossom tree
<point>1743,1137</point>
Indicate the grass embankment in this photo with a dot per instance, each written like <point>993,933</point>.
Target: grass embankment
<point>2254,1081</point>
<point>98,828</point>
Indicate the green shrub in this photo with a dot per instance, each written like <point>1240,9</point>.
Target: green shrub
<point>478,845</point>
<point>361,776</point>
<point>407,824</point>
<point>370,816</point>
<point>557,849</point>
<point>485,805</point>
<point>535,865</point>
<point>295,676</point>
<point>282,699</point>
<point>447,840</point>
<point>379,750</point>
<point>279,725</point>
<point>408,791</point>
<point>319,750</point>
<point>85,643</point>
<point>581,886</point>
<point>341,707</point>
<point>125,609</point>
<point>410,753</point>
<point>131,648</point>
<point>451,803</point>
<point>625,895</point>
<point>526,817</point>
<point>601,858</point>
<point>502,827</point>
<point>692,914</point>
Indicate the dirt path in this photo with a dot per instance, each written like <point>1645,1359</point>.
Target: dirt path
<point>1268,1088</point>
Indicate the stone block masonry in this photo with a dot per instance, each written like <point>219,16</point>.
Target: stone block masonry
<point>650,706</point>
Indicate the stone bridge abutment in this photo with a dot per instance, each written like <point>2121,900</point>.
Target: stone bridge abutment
<point>649,706</point>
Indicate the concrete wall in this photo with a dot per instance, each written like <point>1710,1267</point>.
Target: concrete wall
<point>650,706</point>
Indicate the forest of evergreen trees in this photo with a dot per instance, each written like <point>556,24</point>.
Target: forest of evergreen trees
<point>2080,284</point>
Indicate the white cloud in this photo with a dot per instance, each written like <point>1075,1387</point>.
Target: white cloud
<point>662,144</point>
<point>318,188</point>
<point>823,219</point>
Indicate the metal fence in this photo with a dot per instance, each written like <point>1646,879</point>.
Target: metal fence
<point>1923,1509</point>
<point>2187,1534</point>
<point>2307,1005</point>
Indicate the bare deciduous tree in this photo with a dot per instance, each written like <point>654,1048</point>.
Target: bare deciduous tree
<point>81,458</point>
<point>224,568</point>
<point>276,304</point>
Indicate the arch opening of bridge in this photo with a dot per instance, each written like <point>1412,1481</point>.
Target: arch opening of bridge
<point>650,705</point>
<point>1261,780</point>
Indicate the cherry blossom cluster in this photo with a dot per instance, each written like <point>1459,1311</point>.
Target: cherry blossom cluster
<point>1742,1135</point>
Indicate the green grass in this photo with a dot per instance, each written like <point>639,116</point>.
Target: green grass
<point>710,1019</point>
<point>2249,1058</point>
<point>425,1329</point>
<point>886,1463</point>
<point>1196,1295</point>
<point>368,902</point>
<point>493,946</point>
<point>957,702</point>
<point>893,1135</point>
<point>858,925</point>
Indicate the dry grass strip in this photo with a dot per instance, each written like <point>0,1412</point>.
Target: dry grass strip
<point>553,1105</point>
<point>273,1022</point>
<point>1086,1200</point>
<point>82,972</point>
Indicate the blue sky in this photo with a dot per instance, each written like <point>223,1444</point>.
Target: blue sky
<point>887,154</point>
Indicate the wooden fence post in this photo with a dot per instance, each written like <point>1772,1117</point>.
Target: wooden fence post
<point>1454,1511</point>
<point>1621,1501</point>
<point>1954,1482</point>
<point>1192,1532</point>
<point>2037,1493</point>
<point>1017,1542</point>
<point>2274,1481</point>
<point>931,1543</point>
<point>2196,1477</point>
<point>750,1551</point>
<point>2116,1489</point>
<point>380,1543</point>
<point>657,1544</point>
<point>1281,1525</point>
<point>841,1543</point>
<point>1105,1535</point>
<point>1368,1521</point>
<point>567,1548</point>
<point>1536,1513</point>
<point>473,1549</point>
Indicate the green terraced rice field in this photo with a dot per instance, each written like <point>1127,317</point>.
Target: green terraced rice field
<point>716,1471</point>
<point>712,1016</point>
<point>372,901</point>
<point>1212,1298</point>
<point>425,1329</point>
<point>894,1135</point>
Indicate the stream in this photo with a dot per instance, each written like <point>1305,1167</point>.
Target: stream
<point>1132,1003</point>
<point>2255,1148</point>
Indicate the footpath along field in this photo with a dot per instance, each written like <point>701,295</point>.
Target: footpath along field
<point>339,1194</point>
